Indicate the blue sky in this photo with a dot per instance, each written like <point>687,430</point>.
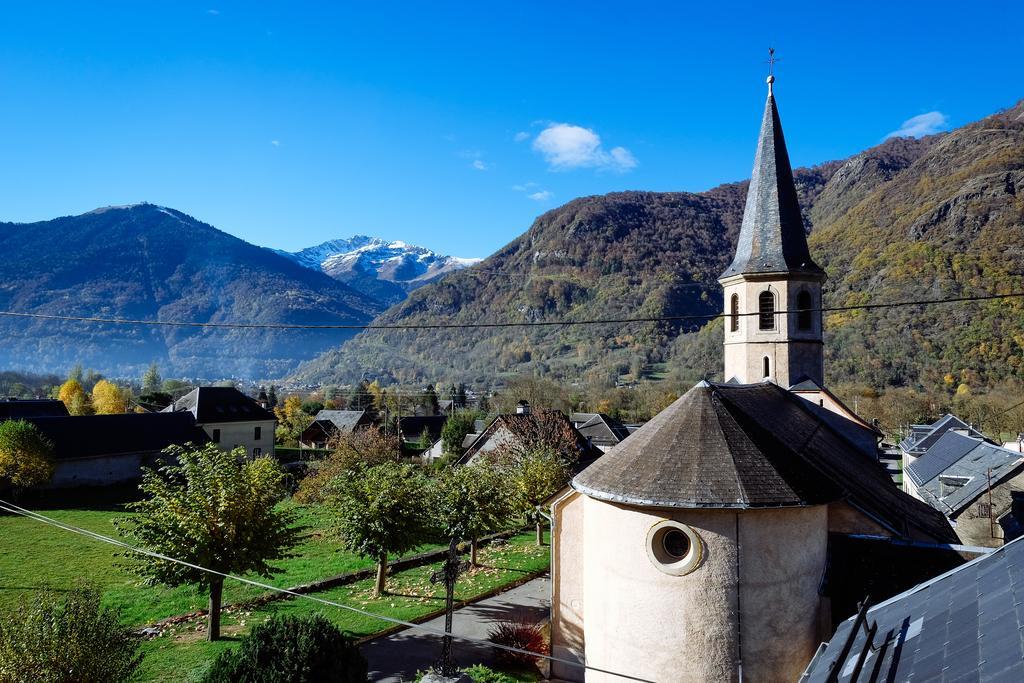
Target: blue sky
<point>453,125</point>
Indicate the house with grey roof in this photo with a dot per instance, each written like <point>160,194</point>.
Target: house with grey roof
<point>600,430</point>
<point>923,437</point>
<point>328,424</point>
<point>963,625</point>
<point>230,418</point>
<point>976,484</point>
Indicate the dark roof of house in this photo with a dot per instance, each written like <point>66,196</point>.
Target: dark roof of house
<point>341,420</point>
<point>602,430</point>
<point>923,437</point>
<point>981,464</point>
<point>16,408</point>
<point>750,446</point>
<point>960,626</point>
<point>513,423</point>
<point>412,426</point>
<point>88,436</point>
<point>220,404</point>
<point>772,236</point>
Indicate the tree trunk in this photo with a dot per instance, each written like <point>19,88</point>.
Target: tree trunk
<point>382,575</point>
<point>213,619</point>
<point>540,532</point>
<point>472,552</point>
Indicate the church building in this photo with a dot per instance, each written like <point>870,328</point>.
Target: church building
<point>721,541</point>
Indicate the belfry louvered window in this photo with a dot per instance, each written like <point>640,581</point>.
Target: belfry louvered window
<point>734,313</point>
<point>766,311</point>
<point>803,310</point>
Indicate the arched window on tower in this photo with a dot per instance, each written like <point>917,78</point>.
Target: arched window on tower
<point>767,369</point>
<point>734,313</point>
<point>766,310</point>
<point>803,310</point>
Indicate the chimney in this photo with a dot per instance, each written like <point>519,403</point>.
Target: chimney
<point>523,408</point>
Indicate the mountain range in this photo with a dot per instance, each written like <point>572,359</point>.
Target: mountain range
<point>385,270</point>
<point>152,263</point>
<point>941,216</point>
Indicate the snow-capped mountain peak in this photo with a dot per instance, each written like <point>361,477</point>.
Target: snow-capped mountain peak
<point>386,269</point>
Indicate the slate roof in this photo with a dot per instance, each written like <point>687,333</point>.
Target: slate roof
<point>772,237</point>
<point>751,446</point>
<point>210,405</point>
<point>602,430</point>
<point>412,426</point>
<point>923,437</point>
<point>89,436</point>
<point>342,420</point>
<point>975,462</point>
<point>17,408</point>
<point>960,626</point>
<point>512,422</point>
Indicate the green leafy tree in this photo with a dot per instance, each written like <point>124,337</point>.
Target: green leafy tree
<point>214,509</point>
<point>455,430</point>
<point>292,420</point>
<point>351,451</point>
<point>382,511</point>
<point>536,476</point>
<point>66,638</point>
<point>289,649</point>
<point>26,455</point>
<point>151,381</point>
<point>470,502</point>
<point>429,401</point>
<point>272,396</point>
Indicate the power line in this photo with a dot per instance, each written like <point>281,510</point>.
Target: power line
<point>11,507</point>
<point>485,325</point>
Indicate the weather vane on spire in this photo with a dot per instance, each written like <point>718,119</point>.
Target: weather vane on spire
<point>771,68</point>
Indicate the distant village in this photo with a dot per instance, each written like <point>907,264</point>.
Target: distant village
<point>753,529</point>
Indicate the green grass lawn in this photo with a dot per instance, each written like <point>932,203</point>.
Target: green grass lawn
<point>38,556</point>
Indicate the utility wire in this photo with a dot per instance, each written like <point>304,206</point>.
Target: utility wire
<point>11,507</point>
<point>537,323</point>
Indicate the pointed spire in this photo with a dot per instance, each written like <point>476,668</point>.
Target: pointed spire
<point>772,237</point>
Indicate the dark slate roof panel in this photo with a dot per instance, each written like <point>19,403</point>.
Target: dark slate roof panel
<point>962,625</point>
<point>981,465</point>
<point>220,404</point>
<point>342,420</point>
<point>412,426</point>
<point>945,451</point>
<point>17,408</point>
<point>89,436</point>
<point>772,236</point>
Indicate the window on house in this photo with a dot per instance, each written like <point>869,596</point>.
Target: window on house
<point>257,433</point>
<point>216,436</point>
<point>766,310</point>
<point>803,310</point>
<point>766,367</point>
<point>257,452</point>
<point>734,313</point>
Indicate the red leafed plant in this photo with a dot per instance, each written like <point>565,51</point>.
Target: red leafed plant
<point>521,635</point>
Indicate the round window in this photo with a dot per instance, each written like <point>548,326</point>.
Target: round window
<point>674,548</point>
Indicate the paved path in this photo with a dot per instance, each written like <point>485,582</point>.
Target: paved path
<point>398,657</point>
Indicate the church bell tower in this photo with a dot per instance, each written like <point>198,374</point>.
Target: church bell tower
<point>773,287</point>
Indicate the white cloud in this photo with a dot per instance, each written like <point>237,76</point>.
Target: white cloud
<point>541,196</point>
<point>213,12</point>
<point>521,136</point>
<point>920,125</point>
<point>480,165</point>
<point>523,187</point>
<point>566,146</point>
<point>275,143</point>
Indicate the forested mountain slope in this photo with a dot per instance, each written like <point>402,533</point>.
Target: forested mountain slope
<point>153,263</point>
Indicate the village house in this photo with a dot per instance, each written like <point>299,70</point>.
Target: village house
<point>507,429</point>
<point>230,418</point>
<point>106,450</point>
<point>327,425</point>
<point>976,484</point>
<point>599,429</point>
<point>725,538</point>
<point>923,437</point>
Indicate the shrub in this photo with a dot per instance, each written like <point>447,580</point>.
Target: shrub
<point>66,639</point>
<point>481,674</point>
<point>521,635</point>
<point>291,650</point>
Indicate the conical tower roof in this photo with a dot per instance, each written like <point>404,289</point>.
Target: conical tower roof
<point>772,237</point>
<point>697,454</point>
